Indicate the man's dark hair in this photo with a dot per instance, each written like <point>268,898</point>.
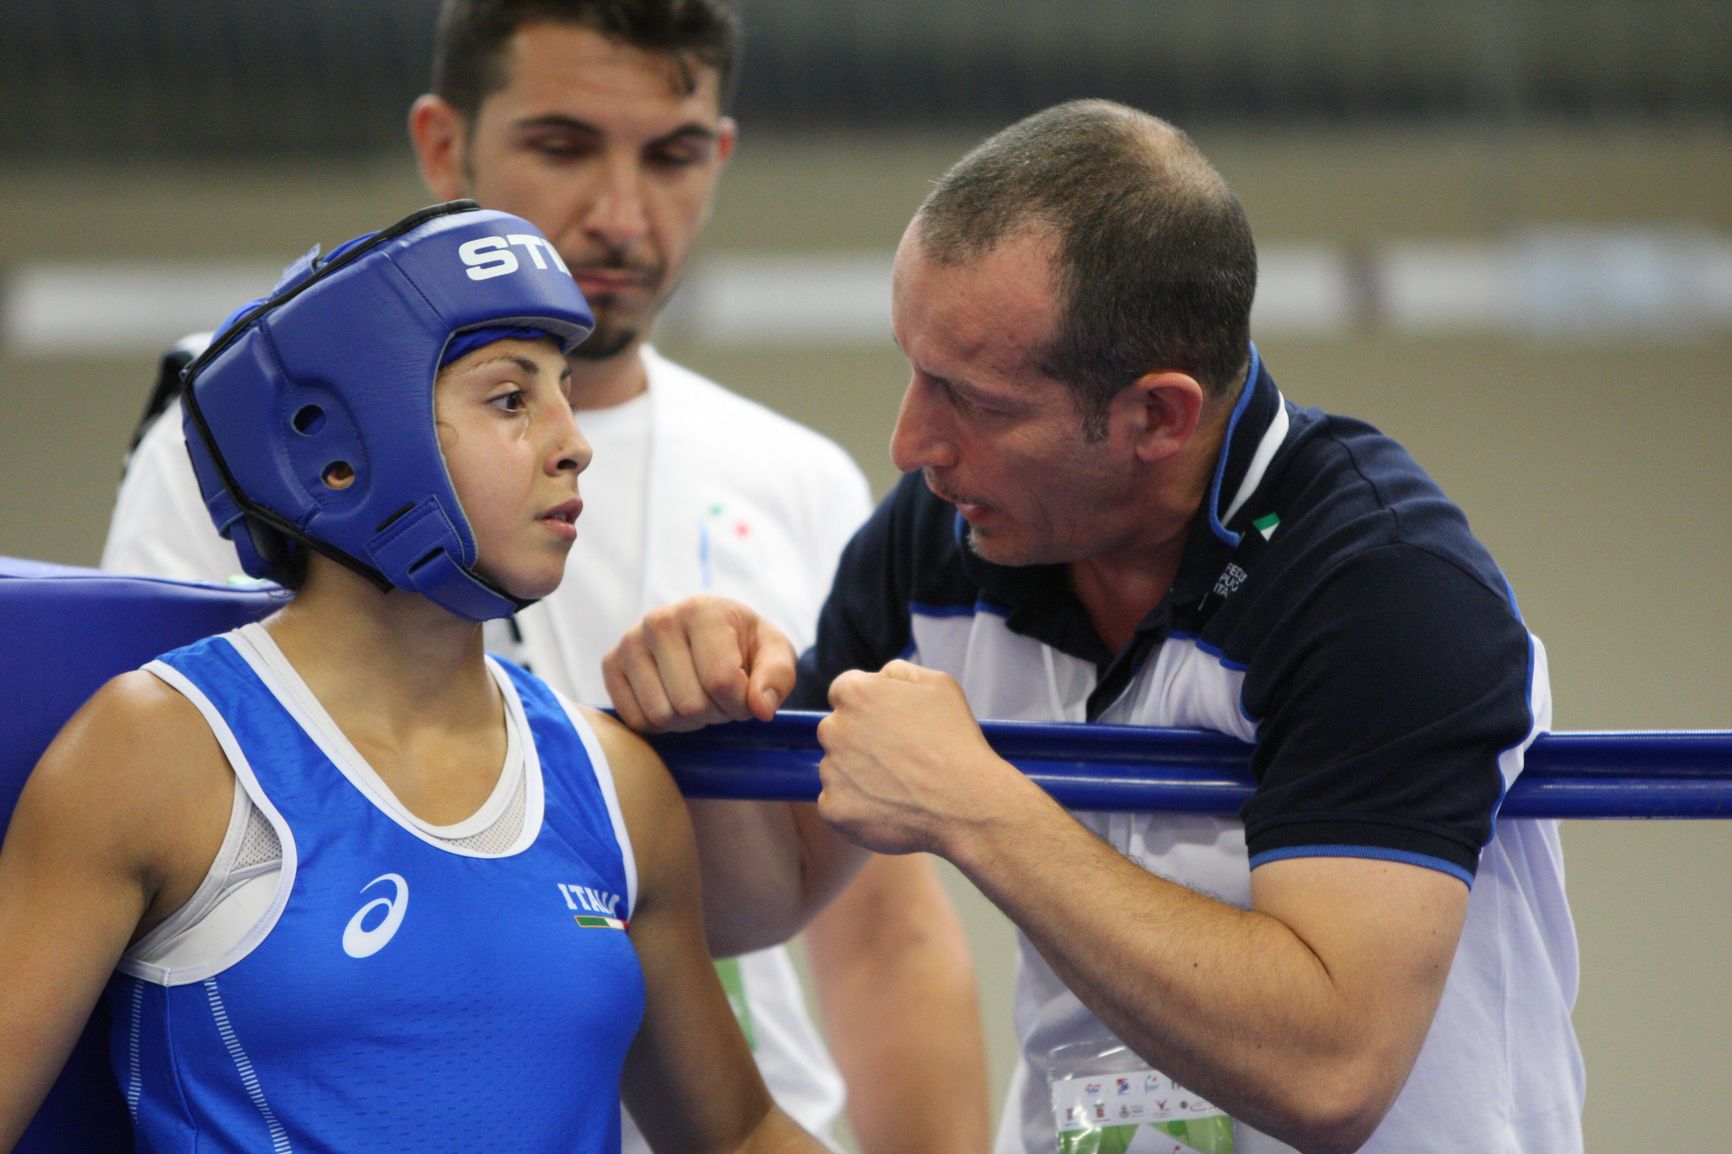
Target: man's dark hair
<point>1154,267</point>
<point>470,39</point>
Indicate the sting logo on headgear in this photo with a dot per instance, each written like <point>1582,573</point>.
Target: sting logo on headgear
<point>489,256</point>
<point>309,418</point>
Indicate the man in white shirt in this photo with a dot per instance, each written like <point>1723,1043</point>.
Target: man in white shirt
<point>601,122</point>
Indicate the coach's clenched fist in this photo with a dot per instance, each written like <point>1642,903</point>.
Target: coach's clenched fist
<point>906,766</point>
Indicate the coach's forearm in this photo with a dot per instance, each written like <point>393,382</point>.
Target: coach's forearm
<point>1232,1002</point>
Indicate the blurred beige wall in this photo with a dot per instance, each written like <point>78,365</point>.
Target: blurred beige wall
<point>1598,472</point>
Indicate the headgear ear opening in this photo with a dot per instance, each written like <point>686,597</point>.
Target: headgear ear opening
<point>310,416</point>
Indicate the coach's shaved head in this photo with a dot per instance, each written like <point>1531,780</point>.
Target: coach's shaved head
<point>1155,267</point>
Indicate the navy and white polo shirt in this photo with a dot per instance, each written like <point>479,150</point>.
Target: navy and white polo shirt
<point>1333,609</point>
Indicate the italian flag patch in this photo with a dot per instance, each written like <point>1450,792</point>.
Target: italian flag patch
<point>596,922</point>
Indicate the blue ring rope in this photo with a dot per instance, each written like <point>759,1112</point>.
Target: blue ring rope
<point>1633,774</point>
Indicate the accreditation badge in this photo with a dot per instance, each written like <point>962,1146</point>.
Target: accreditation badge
<point>1105,1102</point>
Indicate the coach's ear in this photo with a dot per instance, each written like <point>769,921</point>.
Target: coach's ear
<point>1161,411</point>
<point>438,133</point>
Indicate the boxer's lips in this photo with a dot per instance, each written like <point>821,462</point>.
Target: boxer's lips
<point>562,518</point>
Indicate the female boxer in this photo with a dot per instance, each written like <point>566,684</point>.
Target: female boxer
<point>349,883</point>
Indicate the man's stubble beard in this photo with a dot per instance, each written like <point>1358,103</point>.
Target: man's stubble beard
<point>614,334</point>
<point>605,342</point>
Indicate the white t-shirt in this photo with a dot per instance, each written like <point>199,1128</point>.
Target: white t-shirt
<point>692,489</point>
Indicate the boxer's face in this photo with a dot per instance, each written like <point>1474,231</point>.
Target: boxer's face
<point>513,450</point>
<point>600,146</point>
<point>993,434</point>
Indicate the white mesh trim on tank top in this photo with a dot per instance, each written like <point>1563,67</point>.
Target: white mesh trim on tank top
<point>244,881</point>
<point>259,844</point>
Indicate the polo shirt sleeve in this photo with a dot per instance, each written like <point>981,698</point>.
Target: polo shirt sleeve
<point>1391,701</point>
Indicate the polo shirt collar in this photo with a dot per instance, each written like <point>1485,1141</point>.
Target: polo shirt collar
<point>1255,432</point>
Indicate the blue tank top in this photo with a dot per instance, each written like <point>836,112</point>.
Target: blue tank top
<point>400,995</point>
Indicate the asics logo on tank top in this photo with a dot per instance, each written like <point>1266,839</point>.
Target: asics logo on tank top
<point>489,256</point>
<point>359,941</point>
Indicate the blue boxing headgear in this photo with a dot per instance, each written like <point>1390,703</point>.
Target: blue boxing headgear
<point>310,416</point>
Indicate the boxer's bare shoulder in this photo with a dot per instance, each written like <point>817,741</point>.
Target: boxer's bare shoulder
<point>138,781</point>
